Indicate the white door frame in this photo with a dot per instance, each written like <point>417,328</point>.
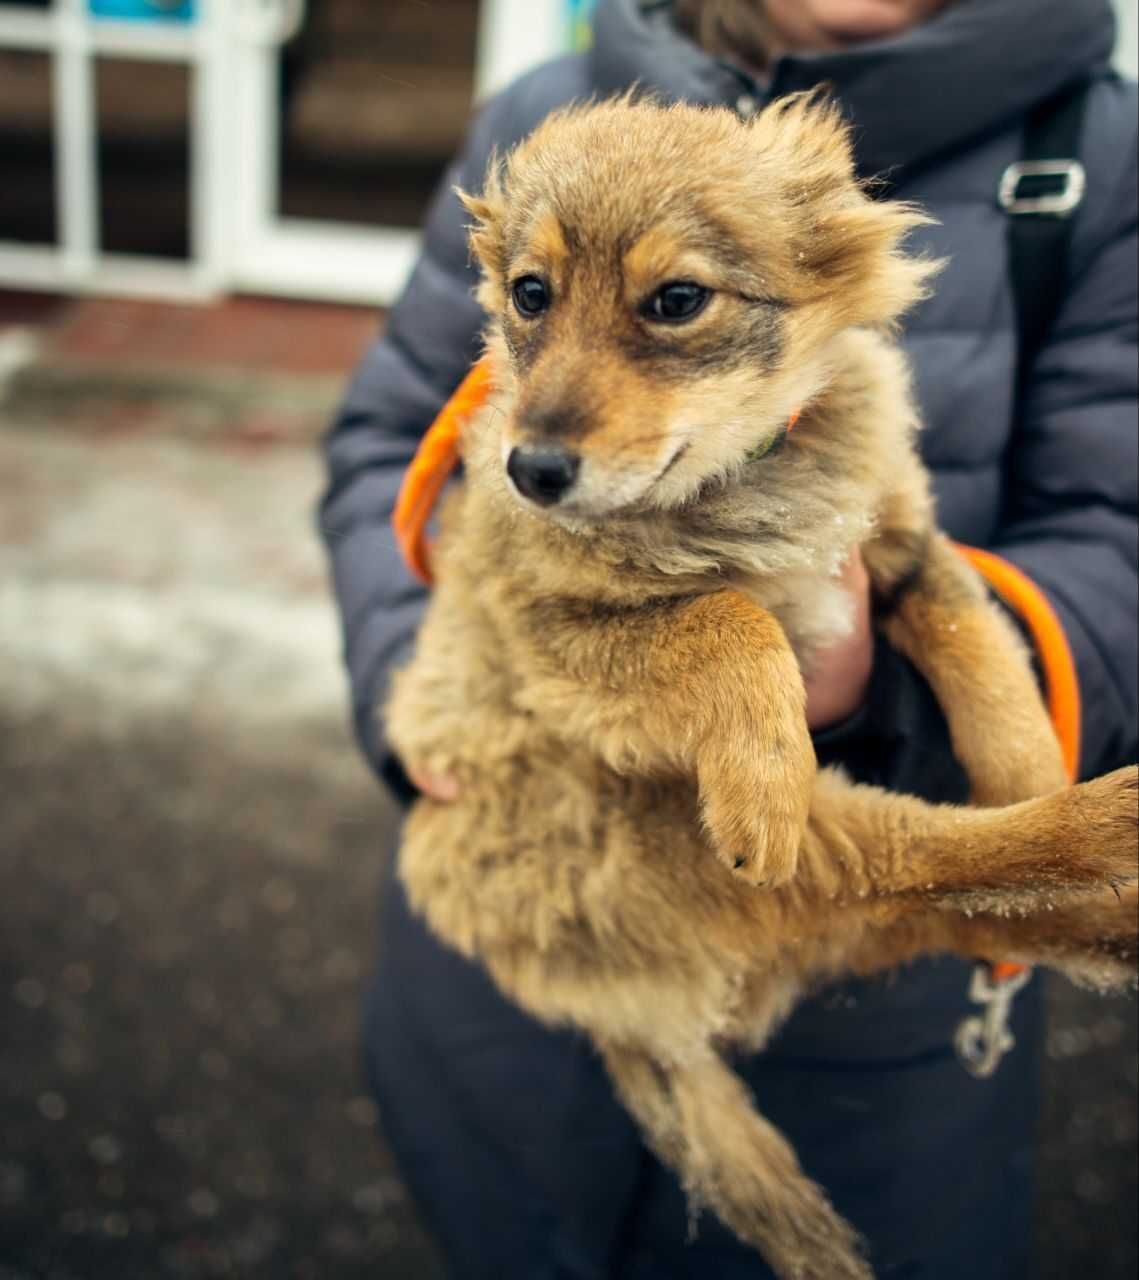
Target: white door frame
<point>236,238</point>
<point>516,35</point>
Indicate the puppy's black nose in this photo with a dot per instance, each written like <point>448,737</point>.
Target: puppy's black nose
<point>544,476</point>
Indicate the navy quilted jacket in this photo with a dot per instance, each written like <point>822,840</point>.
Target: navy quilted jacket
<point>1049,483</point>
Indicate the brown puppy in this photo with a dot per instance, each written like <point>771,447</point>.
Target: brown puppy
<point>636,568</point>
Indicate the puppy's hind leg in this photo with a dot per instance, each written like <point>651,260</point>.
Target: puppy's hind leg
<point>1092,938</point>
<point>701,1121</point>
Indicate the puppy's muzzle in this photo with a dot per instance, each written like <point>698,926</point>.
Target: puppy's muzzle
<point>543,475</point>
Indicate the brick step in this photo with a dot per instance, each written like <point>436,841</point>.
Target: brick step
<point>252,373</point>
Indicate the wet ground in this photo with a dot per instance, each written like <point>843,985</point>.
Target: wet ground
<point>189,856</point>
<point>185,939</point>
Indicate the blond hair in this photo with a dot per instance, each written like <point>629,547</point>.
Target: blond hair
<point>728,28</point>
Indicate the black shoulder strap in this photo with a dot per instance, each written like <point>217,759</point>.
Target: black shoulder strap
<point>1041,194</point>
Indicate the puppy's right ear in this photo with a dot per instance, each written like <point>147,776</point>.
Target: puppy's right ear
<point>487,232</point>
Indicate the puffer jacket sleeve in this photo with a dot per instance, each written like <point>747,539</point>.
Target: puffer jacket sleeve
<point>431,339</point>
<point>1070,512</point>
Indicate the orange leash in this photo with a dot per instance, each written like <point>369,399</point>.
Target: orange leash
<point>983,1039</point>
<point>1025,598</point>
<point>434,461</point>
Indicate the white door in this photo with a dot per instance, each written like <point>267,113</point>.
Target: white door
<point>344,115</point>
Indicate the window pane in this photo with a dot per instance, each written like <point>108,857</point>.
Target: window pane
<point>144,157</point>
<point>27,191</point>
<point>375,101</point>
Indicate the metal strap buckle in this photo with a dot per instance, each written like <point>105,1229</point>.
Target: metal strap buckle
<point>984,1039</point>
<point>1071,175</point>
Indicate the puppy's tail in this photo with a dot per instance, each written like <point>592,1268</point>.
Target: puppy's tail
<point>700,1120</point>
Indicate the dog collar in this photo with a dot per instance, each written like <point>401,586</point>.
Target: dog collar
<point>777,441</point>
<point>438,456</point>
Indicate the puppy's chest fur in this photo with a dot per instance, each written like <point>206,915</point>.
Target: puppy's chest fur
<point>781,531</point>
<point>813,610</point>
<point>786,555</point>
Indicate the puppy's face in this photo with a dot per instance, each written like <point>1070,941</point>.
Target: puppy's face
<point>663,286</point>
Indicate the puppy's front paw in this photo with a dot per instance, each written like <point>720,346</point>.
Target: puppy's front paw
<point>761,845</point>
<point>755,817</point>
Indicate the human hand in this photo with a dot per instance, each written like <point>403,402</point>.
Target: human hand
<point>837,685</point>
<point>436,786</point>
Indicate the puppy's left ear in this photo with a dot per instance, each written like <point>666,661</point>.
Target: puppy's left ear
<point>857,263</point>
<point>846,248</point>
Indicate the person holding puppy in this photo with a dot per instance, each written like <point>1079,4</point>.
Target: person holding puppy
<point>509,1136</point>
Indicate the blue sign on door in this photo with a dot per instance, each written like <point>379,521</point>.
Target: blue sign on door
<point>144,10</point>
<point>580,16</point>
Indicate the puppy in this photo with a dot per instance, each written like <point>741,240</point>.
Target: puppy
<point>639,562</point>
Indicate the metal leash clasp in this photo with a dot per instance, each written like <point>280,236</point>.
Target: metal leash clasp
<point>983,1039</point>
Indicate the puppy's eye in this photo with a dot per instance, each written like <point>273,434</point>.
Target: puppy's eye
<point>531,296</point>
<point>678,302</point>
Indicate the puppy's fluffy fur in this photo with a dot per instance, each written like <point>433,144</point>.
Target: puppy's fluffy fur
<point>643,847</point>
